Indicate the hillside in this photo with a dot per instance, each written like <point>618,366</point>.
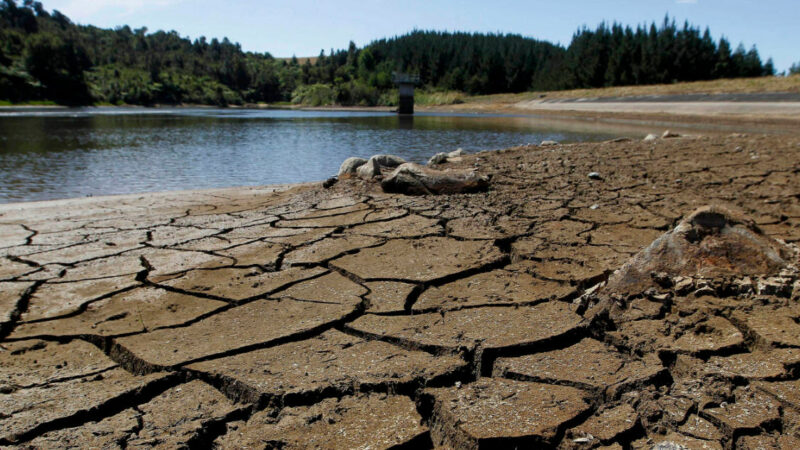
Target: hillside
<point>47,57</point>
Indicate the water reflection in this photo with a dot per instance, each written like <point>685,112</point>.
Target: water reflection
<point>73,153</point>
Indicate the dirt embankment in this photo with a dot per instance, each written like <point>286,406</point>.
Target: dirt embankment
<point>767,104</point>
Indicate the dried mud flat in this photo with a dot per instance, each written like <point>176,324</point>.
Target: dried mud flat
<point>527,316</point>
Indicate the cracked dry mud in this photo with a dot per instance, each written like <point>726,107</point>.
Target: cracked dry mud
<point>555,310</point>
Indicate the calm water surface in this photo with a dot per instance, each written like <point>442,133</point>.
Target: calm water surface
<point>100,151</point>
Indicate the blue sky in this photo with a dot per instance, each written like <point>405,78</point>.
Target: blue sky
<point>304,27</point>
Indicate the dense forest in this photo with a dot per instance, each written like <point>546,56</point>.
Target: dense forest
<point>44,56</point>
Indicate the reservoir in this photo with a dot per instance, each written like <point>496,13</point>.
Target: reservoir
<point>66,153</point>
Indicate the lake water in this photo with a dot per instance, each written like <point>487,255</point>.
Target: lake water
<point>65,153</point>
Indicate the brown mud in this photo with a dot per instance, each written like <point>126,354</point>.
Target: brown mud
<point>348,317</point>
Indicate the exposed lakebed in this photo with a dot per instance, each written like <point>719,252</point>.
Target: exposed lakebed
<point>65,153</point>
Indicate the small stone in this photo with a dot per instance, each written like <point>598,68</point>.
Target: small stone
<point>548,143</point>
<point>595,176</point>
<point>683,285</point>
<point>650,137</point>
<point>666,445</point>
<point>669,134</point>
<point>775,286</point>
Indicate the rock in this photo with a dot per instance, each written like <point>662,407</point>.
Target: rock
<point>414,179</point>
<point>350,165</point>
<point>710,242</point>
<point>456,153</point>
<point>669,134</point>
<point>667,445</point>
<point>387,160</point>
<point>439,158</point>
<point>369,170</point>
<point>650,138</point>
<point>327,184</point>
<point>372,168</point>
<point>548,143</point>
<point>595,176</point>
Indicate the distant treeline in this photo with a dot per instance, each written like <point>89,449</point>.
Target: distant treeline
<point>44,56</point>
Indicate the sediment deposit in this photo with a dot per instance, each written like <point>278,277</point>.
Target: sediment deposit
<point>558,309</point>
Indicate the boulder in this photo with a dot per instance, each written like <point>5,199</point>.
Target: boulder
<point>456,153</point>
<point>711,242</point>
<point>369,170</point>
<point>439,158</point>
<point>350,166</point>
<point>414,179</point>
<point>548,143</point>
<point>387,160</point>
<point>373,167</point>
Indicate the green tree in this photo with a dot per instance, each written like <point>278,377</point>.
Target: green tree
<point>59,65</point>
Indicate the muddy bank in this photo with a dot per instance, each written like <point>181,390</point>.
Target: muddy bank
<point>351,317</point>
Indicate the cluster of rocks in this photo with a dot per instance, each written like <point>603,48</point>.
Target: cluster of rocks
<point>398,176</point>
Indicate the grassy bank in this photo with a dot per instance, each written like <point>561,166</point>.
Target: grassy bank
<point>29,103</point>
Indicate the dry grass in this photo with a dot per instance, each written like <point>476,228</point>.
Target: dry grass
<point>424,98</point>
<point>724,86</point>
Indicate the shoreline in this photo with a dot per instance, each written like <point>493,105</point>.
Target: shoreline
<point>155,195</point>
<point>780,117</point>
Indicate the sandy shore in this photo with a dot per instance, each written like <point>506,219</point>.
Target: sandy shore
<point>346,317</point>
